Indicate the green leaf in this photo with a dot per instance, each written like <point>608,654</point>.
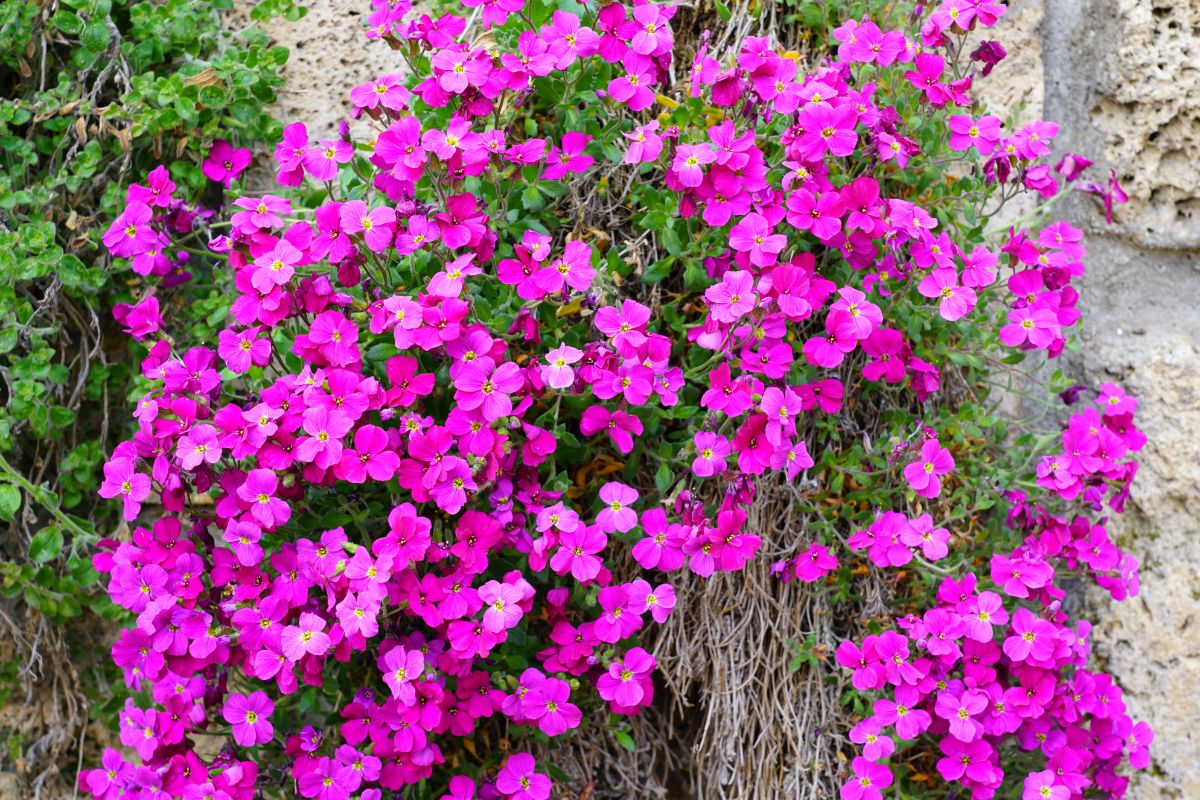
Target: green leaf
<point>663,478</point>
<point>625,740</point>
<point>46,544</point>
<point>659,270</point>
<point>10,502</point>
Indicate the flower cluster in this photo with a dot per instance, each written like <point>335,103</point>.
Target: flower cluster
<point>996,664</point>
<point>391,514</point>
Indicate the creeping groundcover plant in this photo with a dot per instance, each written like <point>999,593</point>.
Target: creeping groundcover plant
<point>508,360</point>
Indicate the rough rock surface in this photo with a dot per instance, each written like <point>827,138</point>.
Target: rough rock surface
<point>329,56</point>
<point>1122,77</point>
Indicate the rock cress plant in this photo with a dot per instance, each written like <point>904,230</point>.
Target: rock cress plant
<point>394,548</point>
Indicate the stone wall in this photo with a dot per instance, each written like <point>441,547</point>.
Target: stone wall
<point>1122,77</point>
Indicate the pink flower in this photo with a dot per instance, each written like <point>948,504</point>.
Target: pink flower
<point>121,479</point>
<point>249,717</point>
<point>626,680</point>
<point>242,349</point>
<point>752,234</point>
<point>711,452</point>
<point>1033,324</point>
<point>400,669</point>
<point>371,457</point>
<point>827,130</point>
<point>689,161</point>
<point>518,780</point>
<point>502,608</point>
<point>577,552</point>
<point>645,145</point>
<point>570,159</point>
<point>815,563</point>
<point>259,491</point>
<point>307,638</point>
<point>983,135</point>
<point>243,536</point>
<point>626,327</point>
<point>485,386</point>
<point>618,515</point>
<point>130,233</point>
<point>377,225</point>
<point>659,601</point>
<point>868,781</point>
<point>225,163</point>
<point>559,374</point>
<point>548,706</point>
<point>198,446</point>
<point>140,320</point>
<point>649,30</point>
<point>1044,786</point>
<point>924,475</point>
<point>733,297</point>
<point>325,429</point>
<point>956,301</point>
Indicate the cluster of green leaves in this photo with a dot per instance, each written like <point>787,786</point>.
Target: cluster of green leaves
<point>93,94</point>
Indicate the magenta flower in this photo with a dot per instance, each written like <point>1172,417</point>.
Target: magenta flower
<point>732,298</point>
<point>501,606</point>
<point>371,457</point>
<point>517,780</point>
<point>815,563</point>
<point>955,301</point>
<point>242,349</point>
<point>971,759</point>
<point>620,426</point>
<point>753,235</point>
<point>1044,786</point>
<point>960,711</point>
<point>243,539</point>
<point>335,337</point>
<point>626,327</point>
<point>649,31</point>
<point>548,706</point>
<point>323,444</point>
<point>626,679</point>
<point>869,734</point>
<point>659,601</point>
<point>577,552</point>
<point>198,446</point>
<point>827,130</point>
<point>1032,638</point>
<point>645,144</point>
<point>130,233</point>
<point>401,668</point>
<point>984,134</point>
<point>121,479</point>
<point>868,781</point>
<point>711,451</point>
<point>570,159</point>
<point>250,718</point>
<point>306,638</point>
<point>689,161</point>
<point>258,491</point>
<point>485,386</point>
<point>225,162</point>
<point>924,475</point>
<point>377,225</point>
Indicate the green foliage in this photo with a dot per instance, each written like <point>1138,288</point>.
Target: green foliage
<point>94,93</point>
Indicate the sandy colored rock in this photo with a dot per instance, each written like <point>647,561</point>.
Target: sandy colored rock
<point>329,55</point>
